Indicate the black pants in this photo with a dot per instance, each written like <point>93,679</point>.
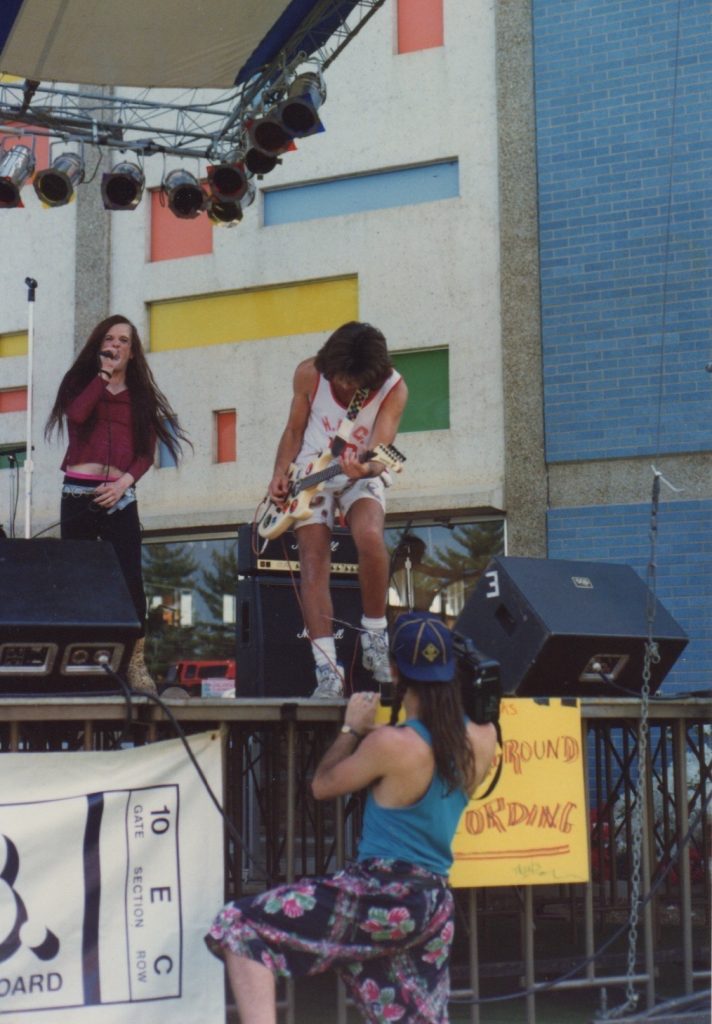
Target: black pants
<point>81,519</point>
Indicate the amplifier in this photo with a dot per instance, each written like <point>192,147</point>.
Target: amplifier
<point>273,652</point>
<point>281,556</point>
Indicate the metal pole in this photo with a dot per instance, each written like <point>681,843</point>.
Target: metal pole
<point>31,288</point>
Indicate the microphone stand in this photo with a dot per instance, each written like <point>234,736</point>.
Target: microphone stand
<point>31,288</point>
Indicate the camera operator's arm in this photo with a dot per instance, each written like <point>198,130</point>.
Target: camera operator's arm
<point>358,757</point>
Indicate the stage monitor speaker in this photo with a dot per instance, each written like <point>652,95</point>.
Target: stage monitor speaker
<point>274,657</point>
<point>558,627</point>
<point>64,605</point>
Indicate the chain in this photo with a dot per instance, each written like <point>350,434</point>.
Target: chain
<point>651,656</point>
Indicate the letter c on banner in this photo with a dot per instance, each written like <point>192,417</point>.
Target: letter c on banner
<point>158,961</point>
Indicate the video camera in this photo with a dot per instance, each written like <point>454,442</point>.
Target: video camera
<point>479,678</point>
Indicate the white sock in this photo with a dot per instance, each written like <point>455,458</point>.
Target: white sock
<point>374,625</point>
<point>324,650</point>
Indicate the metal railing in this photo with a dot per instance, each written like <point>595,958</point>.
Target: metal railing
<point>274,745</point>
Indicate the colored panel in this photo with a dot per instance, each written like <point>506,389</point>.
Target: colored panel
<point>425,183</point>
<point>420,25</point>
<point>226,436</point>
<point>13,400</point>
<point>12,456</point>
<point>173,238</point>
<point>13,344</point>
<point>427,375</point>
<point>274,312</point>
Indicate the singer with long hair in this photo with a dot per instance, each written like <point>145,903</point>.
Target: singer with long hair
<point>114,414</point>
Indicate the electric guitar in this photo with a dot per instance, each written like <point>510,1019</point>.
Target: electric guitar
<point>308,480</point>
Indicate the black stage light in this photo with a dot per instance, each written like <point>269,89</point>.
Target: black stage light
<point>122,186</point>
<point>228,182</point>
<point>298,113</point>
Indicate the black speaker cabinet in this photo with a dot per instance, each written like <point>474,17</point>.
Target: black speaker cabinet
<point>558,627</point>
<point>274,657</point>
<point>64,606</point>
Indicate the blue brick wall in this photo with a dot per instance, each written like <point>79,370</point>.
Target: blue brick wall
<point>624,366</point>
<point>620,533</point>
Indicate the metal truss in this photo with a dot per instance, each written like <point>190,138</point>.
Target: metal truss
<point>198,123</point>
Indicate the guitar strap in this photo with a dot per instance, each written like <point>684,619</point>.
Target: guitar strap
<point>343,434</point>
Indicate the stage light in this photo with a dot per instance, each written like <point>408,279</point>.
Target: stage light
<point>260,163</point>
<point>16,166</point>
<point>224,212</point>
<point>269,135</point>
<point>228,212</point>
<point>298,112</point>
<point>56,184</point>
<point>228,182</point>
<point>122,187</point>
<point>185,196</point>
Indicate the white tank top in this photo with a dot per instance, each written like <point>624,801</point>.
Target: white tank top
<point>327,412</point>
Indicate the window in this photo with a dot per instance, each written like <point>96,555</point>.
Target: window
<point>435,565</point>
<point>190,586</point>
<point>174,238</point>
<point>420,25</point>
<point>225,435</point>
<point>427,375</point>
<point>13,400</point>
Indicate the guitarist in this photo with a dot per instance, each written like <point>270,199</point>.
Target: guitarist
<point>355,358</point>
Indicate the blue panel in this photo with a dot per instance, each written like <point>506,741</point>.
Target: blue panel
<point>8,13</point>
<point>378,191</point>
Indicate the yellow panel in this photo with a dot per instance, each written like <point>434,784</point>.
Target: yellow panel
<point>9,78</point>
<point>13,344</point>
<point>303,308</point>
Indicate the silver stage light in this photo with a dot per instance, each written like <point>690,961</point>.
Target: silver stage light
<point>298,112</point>
<point>227,212</point>
<point>56,184</point>
<point>228,182</point>
<point>122,187</point>
<point>185,196</point>
<point>16,167</point>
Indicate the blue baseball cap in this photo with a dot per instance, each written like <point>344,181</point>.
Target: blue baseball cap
<point>421,646</point>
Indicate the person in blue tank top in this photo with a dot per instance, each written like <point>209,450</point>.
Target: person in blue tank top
<point>384,923</point>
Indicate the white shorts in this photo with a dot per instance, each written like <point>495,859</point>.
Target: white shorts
<point>338,496</point>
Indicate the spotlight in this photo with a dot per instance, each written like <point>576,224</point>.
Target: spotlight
<point>224,212</point>
<point>268,134</point>
<point>56,184</point>
<point>228,182</point>
<point>228,212</point>
<point>185,196</point>
<point>298,112</point>
<point>16,166</point>
<point>258,162</point>
<point>122,187</point>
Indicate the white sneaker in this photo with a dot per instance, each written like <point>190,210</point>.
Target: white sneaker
<point>329,682</point>
<point>375,655</point>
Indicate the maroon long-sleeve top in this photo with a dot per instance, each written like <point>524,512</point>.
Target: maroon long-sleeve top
<point>100,430</point>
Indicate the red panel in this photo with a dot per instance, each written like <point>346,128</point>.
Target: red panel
<point>172,238</point>
<point>420,25</point>
<point>226,436</point>
<point>14,400</point>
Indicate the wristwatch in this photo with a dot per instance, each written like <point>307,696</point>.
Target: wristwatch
<point>350,729</point>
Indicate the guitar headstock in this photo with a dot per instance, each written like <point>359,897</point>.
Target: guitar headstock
<point>388,455</point>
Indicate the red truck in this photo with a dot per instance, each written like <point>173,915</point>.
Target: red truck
<point>189,676</point>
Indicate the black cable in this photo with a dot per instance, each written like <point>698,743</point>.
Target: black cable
<point>128,693</point>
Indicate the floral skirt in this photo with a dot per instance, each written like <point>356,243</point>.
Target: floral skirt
<point>385,926</point>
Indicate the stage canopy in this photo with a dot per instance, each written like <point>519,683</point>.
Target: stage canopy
<point>160,43</point>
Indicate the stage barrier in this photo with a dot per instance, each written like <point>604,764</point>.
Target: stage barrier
<point>508,938</point>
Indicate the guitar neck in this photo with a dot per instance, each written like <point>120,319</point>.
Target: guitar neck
<point>326,474</point>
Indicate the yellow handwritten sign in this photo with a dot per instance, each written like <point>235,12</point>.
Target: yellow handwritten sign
<point>532,829</point>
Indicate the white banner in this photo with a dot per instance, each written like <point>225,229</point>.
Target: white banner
<point>111,870</point>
